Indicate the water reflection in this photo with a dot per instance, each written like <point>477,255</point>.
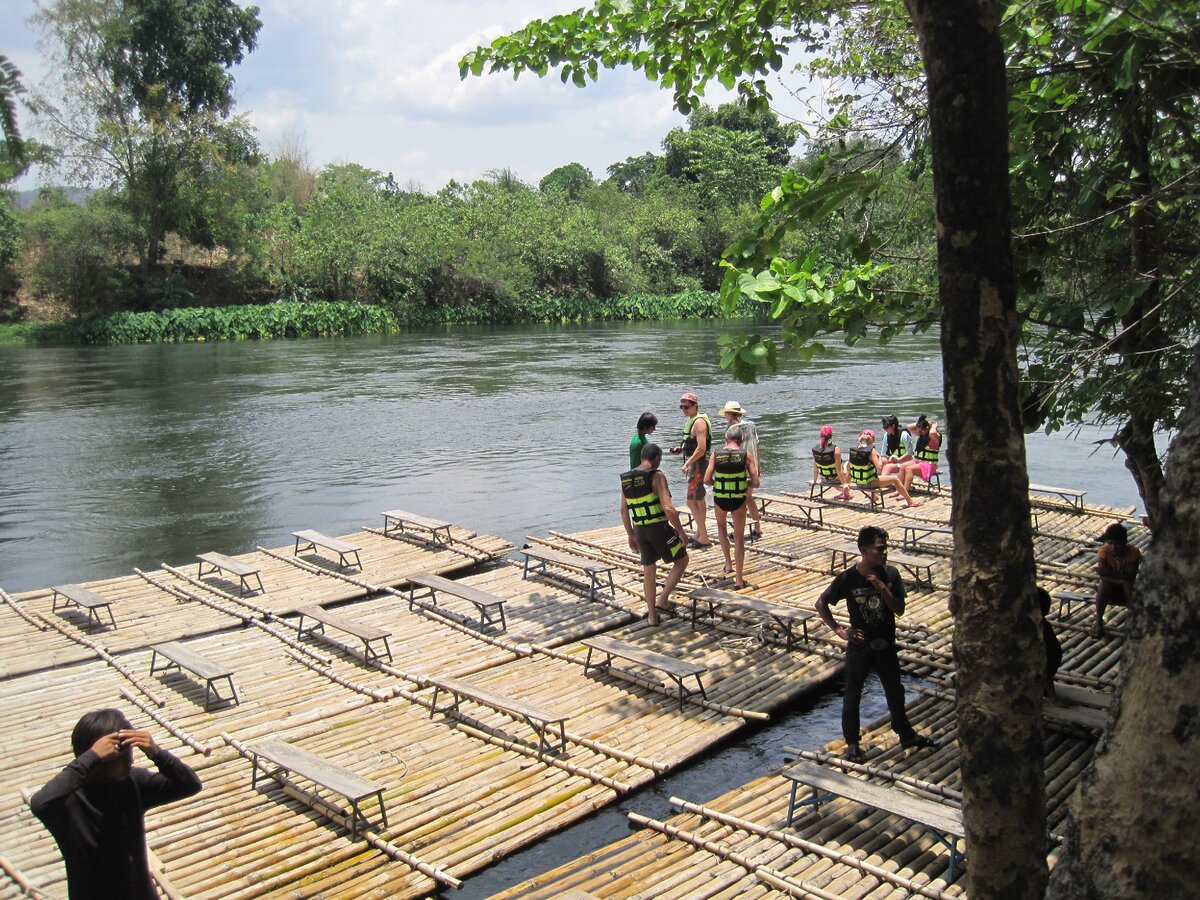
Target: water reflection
<point>124,456</point>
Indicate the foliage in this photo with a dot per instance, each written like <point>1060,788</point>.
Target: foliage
<point>571,180</point>
<point>10,88</point>
<point>11,243</point>
<point>632,175</point>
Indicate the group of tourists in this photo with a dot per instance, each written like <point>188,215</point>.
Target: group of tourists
<point>905,453</point>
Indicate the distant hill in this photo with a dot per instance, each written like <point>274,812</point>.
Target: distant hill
<point>26,199</point>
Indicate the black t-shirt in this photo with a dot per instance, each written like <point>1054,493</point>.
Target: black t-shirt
<point>864,602</point>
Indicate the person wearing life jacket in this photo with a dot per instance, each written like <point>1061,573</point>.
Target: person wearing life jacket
<point>733,475</point>
<point>926,453</point>
<point>866,465</point>
<point>735,415</point>
<point>827,463</point>
<point>695,446</point>
<point>896,448</point>
<point>653,528</point>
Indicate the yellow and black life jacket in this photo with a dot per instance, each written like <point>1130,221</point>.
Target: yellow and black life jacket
<point>689,441</point>
<point>730,478</point>
<point>826,462</point>
<point>638,487</point>
<point>894,445</point>
<point>862,470</point>
<point>924,452</point>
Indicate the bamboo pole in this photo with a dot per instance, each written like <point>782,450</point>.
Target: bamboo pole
<point>20,612</point>
<point>161,881</point>
<point>181,594</point>
<point>167,724</point>
<point>22,883</point>
<point>328,672</point>
<point>224,595</point>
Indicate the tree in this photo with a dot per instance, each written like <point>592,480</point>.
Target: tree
<point>571,181</point>
<point>632,175</point>
<point>10,89</point>
<point>143,97</point>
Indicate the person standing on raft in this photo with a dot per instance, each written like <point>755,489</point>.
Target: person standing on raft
<point>733,475</point>
<point>696,444</point>
<point>653,528</point>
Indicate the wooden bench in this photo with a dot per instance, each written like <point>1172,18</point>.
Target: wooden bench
<point>368,634</point>
<point>914,565</point>
<point>675,669</point>
<point>314,539</point>
<point>1088,717</point>
<point>180,657</point>
<point>541,721</point>
<point>785,616</point>
<point>489,605</point>
<point>74,595</point>
<point>944,822</point>
<point>287,758</point>
<point>914,532</point>
<point>932,486</point>
<point>1072,496</point>
<point>791,509</point>
<point>222,563</point>
<point>1066,598</point>
<point>599,573</point>
<point>401,522</point>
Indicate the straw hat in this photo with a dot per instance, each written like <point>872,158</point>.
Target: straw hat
<point>733,407</point>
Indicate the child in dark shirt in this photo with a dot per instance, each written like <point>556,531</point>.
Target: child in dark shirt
<point>1054,652</point>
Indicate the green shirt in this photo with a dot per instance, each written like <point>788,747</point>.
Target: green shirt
<point>635,450</point>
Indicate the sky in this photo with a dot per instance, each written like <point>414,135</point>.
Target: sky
<point>376,82</point>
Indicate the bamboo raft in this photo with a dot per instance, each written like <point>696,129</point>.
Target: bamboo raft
<point>463,791</point>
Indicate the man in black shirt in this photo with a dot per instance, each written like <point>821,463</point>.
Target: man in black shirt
<point>95,806</point>
<point>874,596</point>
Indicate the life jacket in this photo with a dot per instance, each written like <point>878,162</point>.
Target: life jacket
<point>894,445</point>
<point>862,470</point>
<point>638,487</point>
<point>730,479</point>
<point>689,441</point>
<point>825,460</point>
<point>924,452</point>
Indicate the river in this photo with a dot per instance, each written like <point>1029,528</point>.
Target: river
<point>115,457</point>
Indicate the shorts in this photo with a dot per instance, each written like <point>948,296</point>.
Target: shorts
<point>730,504</point>
<point>695,486</point>
<point>927,469</point>
<point>659,542</point>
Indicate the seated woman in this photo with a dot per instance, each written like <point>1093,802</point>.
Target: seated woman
<point>865,466</point>
<point>1117,564</point>
<point>925,454</point>
<point>827,463</point>
<point>897,447</point>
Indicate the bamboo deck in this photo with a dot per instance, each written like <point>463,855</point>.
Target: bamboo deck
<point>462,792</point>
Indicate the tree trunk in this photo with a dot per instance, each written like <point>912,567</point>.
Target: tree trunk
<point>1133,833</point>
<point>997,639</point>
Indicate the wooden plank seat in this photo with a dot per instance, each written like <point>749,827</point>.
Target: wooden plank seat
<point>944,822</point>
<point>311,540</point>
<point>914,532</point>
<point>219,562</point>
<point>81,597</point>
<point>289,759</point>
<point>599,573</point>
<point>178,656</point>
<point>540,720</point>
<point>489,605</point>
<point>1066,598</point>
<point>368,634</point>
<point>785,616</point>
<point>1088,717</point>
<point>400,522</point>
<point>914,565</point>
<point>791,509</point>
<point>675,669</point>
<point>817,491</point>
<point>1072,496</point>
<point>932,486</point>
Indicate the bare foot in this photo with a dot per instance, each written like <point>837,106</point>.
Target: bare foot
<point>913,504</point>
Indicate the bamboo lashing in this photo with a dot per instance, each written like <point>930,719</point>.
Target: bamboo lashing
<point>166,723</point>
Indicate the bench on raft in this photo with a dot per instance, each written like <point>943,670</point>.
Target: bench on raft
<point>817,491</point>
<point>785,616</point>
<point>915,532</point>
<point>75,595</point>
<point>287,758</point>
<point>1066,598</point>
<point>792,509</point>
<point>675,669</point>
<point>1072,496</point>
<point>314,539</point>
<point>943,822</point>
<point>599,573</point>
<point>368,634</point>
<point>540,720</point>
<point>219,562</point>
<point>489,605</point>
<point>914,565</point>
<point>179,657</point>
<point>397,521</point>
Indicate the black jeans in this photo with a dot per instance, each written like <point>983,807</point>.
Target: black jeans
<point>861,659</point>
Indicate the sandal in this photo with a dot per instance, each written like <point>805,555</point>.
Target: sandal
<point>854,754</point>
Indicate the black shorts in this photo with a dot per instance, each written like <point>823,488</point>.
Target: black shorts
<point>730,504</point>
<point>659,542</point>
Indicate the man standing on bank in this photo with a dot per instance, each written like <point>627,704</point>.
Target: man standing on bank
<point>653,528</point>
<point>95,806</point>
<point>697,441</point>
<point>874,596</point>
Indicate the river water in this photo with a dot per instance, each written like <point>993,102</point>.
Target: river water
<point>116,457</point>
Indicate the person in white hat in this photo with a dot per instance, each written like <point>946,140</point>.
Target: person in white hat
<point>735,415</point>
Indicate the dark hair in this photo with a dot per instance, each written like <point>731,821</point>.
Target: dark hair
<point>1043,596</point>
<point>890,422</point>
<point>651,452</point>
<point>1116,533</point>
<point>922,422</point>
<point>95,725</point>
<point>870,535</point>
<point>646,421</point>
